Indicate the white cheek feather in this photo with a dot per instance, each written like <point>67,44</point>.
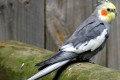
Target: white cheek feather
<point>91,45</point>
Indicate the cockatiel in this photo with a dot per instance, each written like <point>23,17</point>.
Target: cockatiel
<point>89,38</point>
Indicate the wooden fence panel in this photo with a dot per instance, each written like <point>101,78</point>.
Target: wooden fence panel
<point>4,21</point>
<point>22,20</point>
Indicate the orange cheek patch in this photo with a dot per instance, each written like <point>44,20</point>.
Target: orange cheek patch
<point>103,12</point>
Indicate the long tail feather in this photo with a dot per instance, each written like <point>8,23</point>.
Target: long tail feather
<point>61,56</point>
<point>48,69</point>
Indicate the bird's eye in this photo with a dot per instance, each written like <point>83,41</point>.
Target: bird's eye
<point>108,9</point>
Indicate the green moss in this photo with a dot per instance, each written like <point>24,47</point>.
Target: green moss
<point>31,58</point>
<point>87,71</point>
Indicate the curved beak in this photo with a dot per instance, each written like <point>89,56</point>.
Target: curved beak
<point>115,12</point>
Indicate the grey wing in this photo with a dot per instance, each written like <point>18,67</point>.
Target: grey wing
<point>91,21</point>
<point>84,34</point>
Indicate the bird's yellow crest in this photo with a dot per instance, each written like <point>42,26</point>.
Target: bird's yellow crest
<point>107,12</point>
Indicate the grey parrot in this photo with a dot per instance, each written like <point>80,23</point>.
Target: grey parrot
<point>89,38</point>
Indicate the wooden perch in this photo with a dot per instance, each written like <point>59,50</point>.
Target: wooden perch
<point>17,62</point>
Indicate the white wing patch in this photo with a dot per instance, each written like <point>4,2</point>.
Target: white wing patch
<point>68,47</point>
<point>91,45</point>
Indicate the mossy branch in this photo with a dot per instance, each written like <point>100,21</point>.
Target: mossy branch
<point>17,62</point>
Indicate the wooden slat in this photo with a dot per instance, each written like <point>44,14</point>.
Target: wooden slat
<point>118,32</point>
<point>5,20</point>
<point>23,20</point>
